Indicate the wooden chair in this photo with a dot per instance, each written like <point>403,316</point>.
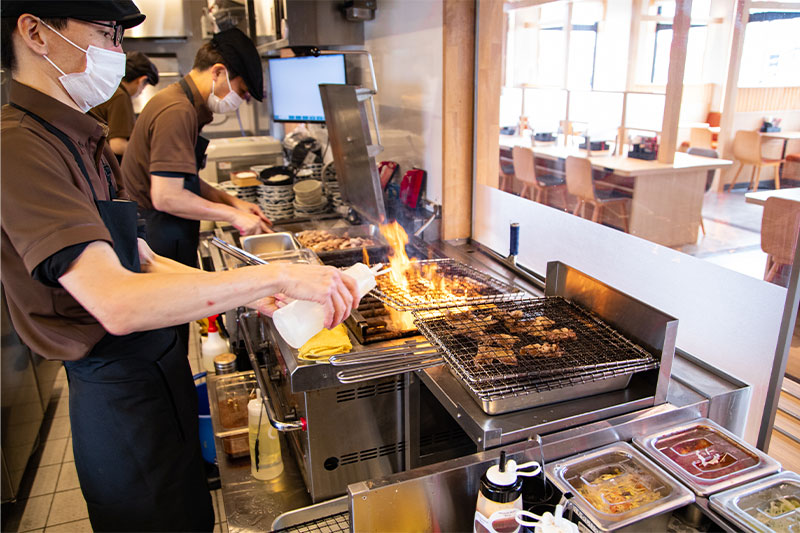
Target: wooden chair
<point>780,225</point>
<point>506,170</point>
<point>581,185</point>
<point>700,138</point>
<point>705,152</point>
<point>747,150</point>
<point>525,171</point>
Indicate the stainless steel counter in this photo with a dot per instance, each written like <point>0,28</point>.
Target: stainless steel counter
<point>250,504</point>
<point>694,391</point>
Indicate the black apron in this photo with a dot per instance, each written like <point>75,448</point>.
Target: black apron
<point>171,236</point>
<point>133,411</point>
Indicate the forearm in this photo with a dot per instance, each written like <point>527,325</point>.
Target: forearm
<point>158,300</point>
<point>118,145</point>
<point>164,295</point>
<point>212,194</point>
<point>186,204</point>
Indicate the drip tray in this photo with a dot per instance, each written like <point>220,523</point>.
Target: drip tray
<point>524,399</point>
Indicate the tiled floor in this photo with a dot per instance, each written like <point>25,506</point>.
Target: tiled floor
<point>50,498</point>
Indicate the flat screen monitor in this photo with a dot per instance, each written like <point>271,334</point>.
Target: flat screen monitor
<point>294,86</point>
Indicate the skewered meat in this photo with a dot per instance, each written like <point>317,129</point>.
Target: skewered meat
<point>562,334</point>
<point>324,241</point>
<point>487,354</point>
<point>545,350</point>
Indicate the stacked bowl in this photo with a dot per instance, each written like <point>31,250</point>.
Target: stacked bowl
<point>308,198</point>
<point>275,193</point>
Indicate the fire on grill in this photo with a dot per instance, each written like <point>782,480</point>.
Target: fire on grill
<point>424,284</point>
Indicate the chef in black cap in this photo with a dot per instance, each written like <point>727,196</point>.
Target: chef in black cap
<point>165,151</point>
<point>81,288</point>
<point>117,112</point>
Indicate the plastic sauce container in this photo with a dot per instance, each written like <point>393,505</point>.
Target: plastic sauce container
<point>302,319</point>
<point>265,446</point>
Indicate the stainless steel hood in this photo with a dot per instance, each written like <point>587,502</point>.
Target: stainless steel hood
<point>304,23</point>
<point>353,151</point>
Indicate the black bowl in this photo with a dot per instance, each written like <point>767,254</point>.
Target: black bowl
<point>267,173</point>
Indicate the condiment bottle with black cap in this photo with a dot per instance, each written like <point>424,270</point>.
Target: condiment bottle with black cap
<point>500,496</point>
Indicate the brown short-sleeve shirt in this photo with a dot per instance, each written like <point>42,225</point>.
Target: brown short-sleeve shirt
<point>163,139</point>
<point>117,112</point>
<point>47,205</point>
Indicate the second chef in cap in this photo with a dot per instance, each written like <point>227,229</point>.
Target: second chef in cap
<point>166,151</point>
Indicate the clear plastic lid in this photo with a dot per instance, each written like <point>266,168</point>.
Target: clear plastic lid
<point>616,483</point>
<point>706,456</point>
<point>777,507</point>
<point>616,486</point>
<point>768,505</point>
<point>705,453</point>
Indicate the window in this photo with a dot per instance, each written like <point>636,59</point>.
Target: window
<point>695,51</point>
<point>661,41</point>
<point>771,52</point>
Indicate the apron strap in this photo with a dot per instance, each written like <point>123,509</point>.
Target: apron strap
<point>187,90</point>
<point>73,150</point>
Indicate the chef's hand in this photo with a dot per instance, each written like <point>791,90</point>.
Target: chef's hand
<point>267,306</point>
<point>253,209</point>
<point>248,223</point>
<point>329,287</point>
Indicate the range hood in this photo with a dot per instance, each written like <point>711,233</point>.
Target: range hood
<point>302,23</point>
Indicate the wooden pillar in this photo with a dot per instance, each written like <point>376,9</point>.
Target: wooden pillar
<point>458,67</point>
<point>630,75</point>
<point>730,90</point>
<point>487,91</point>
<point>677,62</point>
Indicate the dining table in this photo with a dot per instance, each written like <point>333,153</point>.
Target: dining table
<point>666,198</point>
<point>760,197</point>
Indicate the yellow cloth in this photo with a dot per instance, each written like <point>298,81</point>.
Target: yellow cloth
<point>326,343</point>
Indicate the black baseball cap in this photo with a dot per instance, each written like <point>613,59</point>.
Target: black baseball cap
<point>241,56</point>
<point>137,64</point>
<point>124,12</point>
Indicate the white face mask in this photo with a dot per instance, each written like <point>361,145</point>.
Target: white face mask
<point>96,84</point>
<point>229,104</point>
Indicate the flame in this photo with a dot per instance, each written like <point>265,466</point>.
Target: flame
<point>365,256</point>
<point>406,271</point>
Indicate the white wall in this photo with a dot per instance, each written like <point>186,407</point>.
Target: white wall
<point>406,42</point>
<point>726,319</point>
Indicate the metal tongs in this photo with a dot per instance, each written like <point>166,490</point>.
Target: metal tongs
<point>237,252</point>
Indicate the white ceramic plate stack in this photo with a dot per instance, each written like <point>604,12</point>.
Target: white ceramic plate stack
<point>309,198</point>
<point>277,200</point>
<point>333,192</point>
<point>248,194</point>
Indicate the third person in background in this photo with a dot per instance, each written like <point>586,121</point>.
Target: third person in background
<point>118,111</point>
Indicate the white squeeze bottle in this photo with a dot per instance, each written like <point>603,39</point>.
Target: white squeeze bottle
<point>265,446</point>
<point>213,346</point>
<point>302,319</point>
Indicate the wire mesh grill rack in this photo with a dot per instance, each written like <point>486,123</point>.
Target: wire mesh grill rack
<point>329,524</point>
<point>437,283</point>
<point>522,346</point>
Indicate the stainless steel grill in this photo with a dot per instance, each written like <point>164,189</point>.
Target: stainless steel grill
<point>330,524</point>
<point>464,286</point>
<point>515,348</point>
<point>371,322</point>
